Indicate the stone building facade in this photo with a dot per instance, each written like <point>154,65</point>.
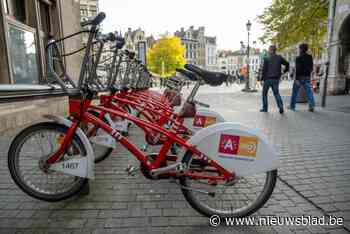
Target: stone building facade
<point>339,69</point>
<point>231,62</point>
<point>24,29</point>
<point>199,49</point>
<point>133,37</point>
<point>88,9</point>
<point>210,54</point>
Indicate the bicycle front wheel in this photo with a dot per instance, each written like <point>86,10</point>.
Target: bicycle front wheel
<point>241,198</point>
<point>33,146</point>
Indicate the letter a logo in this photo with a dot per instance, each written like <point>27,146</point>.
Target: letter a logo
<point>228,144</point>
<point>199,121</point>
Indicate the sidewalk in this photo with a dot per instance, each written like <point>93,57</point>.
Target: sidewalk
<point>313,179</point>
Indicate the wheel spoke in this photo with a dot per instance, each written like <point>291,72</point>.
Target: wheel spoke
<point>38,145</point>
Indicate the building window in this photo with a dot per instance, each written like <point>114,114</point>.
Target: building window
<point>23,55</point>
<point>26,37</point>
<point>17,9</point>
<point>45,17</point>
<point>93,12</point>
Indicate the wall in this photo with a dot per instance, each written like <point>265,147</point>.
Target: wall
<point>70,17</point>
<point>336,82</point>
<point>4,75</point>
<point>14,116</point>
<point>17,114</point>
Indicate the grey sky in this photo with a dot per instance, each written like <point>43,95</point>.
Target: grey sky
<point>224,19</point>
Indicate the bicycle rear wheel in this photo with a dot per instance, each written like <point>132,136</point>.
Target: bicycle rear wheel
<point>101,152</point>
<point>30,148</point>
<point>244,197</point>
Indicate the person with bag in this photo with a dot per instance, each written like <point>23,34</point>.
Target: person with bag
<point>303,69</point>
<point>271,75</point>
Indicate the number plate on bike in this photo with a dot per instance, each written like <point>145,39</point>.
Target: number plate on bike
<point>75,166</point>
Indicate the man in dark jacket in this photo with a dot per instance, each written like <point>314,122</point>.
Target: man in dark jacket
<point>303,68</point>
<point>271,74</point>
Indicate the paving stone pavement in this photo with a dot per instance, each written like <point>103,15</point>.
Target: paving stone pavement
<point>313,180</point>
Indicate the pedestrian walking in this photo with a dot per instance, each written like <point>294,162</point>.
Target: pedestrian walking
<point>303,69</point>
<point>271,75</point>
<point>291,73</point>
<point>257,80</point>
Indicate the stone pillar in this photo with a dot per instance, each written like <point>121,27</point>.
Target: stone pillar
<point>336,81</point>
<point>4,66</point>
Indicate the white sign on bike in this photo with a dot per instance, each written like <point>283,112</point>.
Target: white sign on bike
<point>121,126</point>
<point>76,166</point>
<point>237,148</point>
<point>205,117</point>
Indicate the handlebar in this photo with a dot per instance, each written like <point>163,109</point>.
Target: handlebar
<point>95,21</point>
<point>187,74</point>
<point>106,37</point>
<point>120,42</point>
<point>201,104</point>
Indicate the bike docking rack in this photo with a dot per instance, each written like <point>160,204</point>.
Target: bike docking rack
<point>215,154</point>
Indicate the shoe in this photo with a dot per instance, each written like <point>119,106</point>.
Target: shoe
<point>281,111</point>
<point>263,110</point>
<point>311,109</point>
<point>290,108</point>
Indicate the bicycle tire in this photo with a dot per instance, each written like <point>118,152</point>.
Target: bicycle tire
<point>13,162</point>
<point>207,211</point>
<point>99,157</point>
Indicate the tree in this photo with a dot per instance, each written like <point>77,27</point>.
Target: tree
<point>289,22</point>
<point>165,56</point>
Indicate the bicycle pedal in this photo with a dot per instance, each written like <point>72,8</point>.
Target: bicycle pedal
<point>131,170</point>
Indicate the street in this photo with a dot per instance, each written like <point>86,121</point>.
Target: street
<point>313,178</point>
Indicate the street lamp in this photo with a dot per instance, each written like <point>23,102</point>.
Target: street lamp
<point>247,88</point>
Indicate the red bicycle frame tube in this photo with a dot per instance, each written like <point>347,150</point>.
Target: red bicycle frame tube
<point>144,125</point>
<point>151,115</point>
<point>66,142</point>
<point>85,116</point>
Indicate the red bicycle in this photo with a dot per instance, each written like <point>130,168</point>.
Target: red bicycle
<point>227,169</point>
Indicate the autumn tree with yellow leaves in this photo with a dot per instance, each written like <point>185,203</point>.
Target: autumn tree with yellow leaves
<point>165,56</point>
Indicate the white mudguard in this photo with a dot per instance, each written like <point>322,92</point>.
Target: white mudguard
<point>236,148</point>
<point>78,166</point>
<point>205,117</point>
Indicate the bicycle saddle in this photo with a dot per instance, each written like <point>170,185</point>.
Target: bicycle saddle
<point>188,74</point>
<point>211,78</point>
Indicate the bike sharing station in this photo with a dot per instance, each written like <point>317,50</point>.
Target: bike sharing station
<point>209,150</point>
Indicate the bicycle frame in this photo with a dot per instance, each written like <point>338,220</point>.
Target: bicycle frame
<point>149,111</point>
<point>85,116</point>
